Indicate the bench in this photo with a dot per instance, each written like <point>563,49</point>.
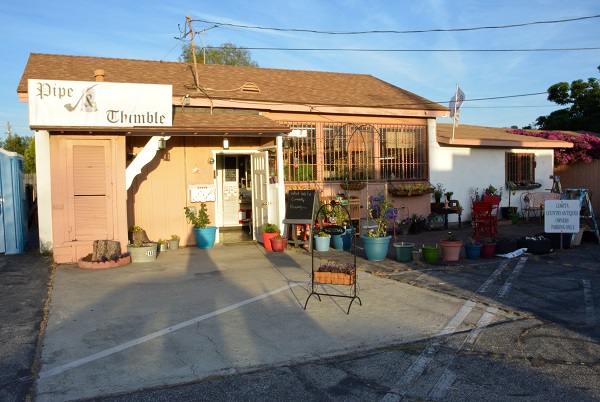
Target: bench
<point>534,202</point>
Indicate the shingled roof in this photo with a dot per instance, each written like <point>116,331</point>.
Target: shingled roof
<point>476,136</point>
<point>308,88</point>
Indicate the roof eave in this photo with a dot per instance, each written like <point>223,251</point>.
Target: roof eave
<point>316,108</point>
<point>549,144</point>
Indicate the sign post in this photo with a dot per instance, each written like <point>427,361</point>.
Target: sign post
<point>561,216</point>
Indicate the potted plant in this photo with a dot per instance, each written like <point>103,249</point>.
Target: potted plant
<point>141,249</point>
<point>430,253</point>
<point>538,244</point>
<point>278,243</point>
<point>418,224</point>
<point>322,241</point>
<point>488,247</point>
<point>203,233</point>
<point>162,245</point>
<point>339,216</point>
<point>335,273</point>
<point>438,192</point>
<point>174,242</point>
<point>377,241</point>
<point>509,212</point>
<point>269,230</point>
<point>404,251</point>
<point>448,195</point>
<point>472,249</point>
<point>450,248</point>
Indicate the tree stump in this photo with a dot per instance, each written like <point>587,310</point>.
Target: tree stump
<point>140,237</point>
<point>107,249</point>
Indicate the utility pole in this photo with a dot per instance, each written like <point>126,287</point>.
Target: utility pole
<point>189,21</point>
<point>8,129</point>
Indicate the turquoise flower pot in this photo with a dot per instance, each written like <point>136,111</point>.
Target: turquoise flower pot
<point>376,248</point>
<point>205,237</point>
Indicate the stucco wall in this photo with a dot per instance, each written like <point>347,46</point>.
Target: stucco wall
<point>459,168</point>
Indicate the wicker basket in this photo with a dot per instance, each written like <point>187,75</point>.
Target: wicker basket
<point>334,278</point>
<point>353,185</point>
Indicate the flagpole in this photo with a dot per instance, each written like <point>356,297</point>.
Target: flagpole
<point>454,115</point>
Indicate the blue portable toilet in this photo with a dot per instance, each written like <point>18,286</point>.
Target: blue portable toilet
<point>13,204</point>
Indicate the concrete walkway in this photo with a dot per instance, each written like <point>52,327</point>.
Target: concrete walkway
<point>195,314</point>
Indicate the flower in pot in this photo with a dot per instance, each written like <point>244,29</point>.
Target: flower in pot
<point>438,192</point>
<point>203,233</point>
<point>377,241</point>
<point>450,247</point>
<point>269,230</point>
<point>278,243</point>
<point>162,245</point>
<point>472,249</point>
<point>141,249</point>
<point>174,242</point>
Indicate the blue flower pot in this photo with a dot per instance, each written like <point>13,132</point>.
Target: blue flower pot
<point>337,241</point>
<point>473,251</point>
<point>205,237</point>
<point>404,251</point>
<point>322,243</point>
<point>376,248</point>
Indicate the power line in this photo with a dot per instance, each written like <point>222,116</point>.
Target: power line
<point>398,32</point>
<point>564,49</point>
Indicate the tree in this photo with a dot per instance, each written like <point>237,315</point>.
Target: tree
<point>16,143</point>
<point>29,157</point>
<point>584,113</point>
<point>226,54</point>
<point>24,146</point>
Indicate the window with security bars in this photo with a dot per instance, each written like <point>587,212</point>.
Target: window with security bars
<point>341,151</point>
<point>403,153</point>
<point>520,167</point>
<point>300,153</point>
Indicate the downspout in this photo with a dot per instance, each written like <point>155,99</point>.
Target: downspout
<point>142,159</point>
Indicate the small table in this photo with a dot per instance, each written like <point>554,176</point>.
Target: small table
<point>438,208</point>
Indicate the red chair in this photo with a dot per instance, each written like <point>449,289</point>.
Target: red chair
<point>495,201</point>
<point>482,219</point>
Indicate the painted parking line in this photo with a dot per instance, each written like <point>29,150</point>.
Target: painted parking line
<point>119,348</point>
<point>590,312</point>
<point>447,378</point>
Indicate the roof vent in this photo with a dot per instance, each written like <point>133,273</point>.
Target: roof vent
<point>250,87</point>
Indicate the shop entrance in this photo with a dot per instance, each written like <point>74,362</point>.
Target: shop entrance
<point>234,179</point>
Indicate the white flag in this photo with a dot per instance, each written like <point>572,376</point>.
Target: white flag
<point>456,102</point>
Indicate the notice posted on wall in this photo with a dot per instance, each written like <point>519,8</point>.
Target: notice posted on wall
<point>202,192</point>
<point>561,216</point>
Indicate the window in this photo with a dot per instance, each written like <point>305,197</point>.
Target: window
<point>300,153</point>
<point>403,153</point>
<point>520,168</point>
<point>345,151</point>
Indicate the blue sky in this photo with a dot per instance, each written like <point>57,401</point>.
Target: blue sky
<point>146,30</point>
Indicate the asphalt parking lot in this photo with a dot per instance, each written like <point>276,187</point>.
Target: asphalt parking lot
<point>529,323</point>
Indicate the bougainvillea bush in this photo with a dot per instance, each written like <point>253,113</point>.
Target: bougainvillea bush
<point>586,147</point>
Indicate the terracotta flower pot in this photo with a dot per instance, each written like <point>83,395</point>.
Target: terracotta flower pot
<point>450,250</point>
<point>277,244</point>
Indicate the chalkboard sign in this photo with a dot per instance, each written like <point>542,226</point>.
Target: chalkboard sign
<point>300,206</point>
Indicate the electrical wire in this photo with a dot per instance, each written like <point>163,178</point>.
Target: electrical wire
<point>399,32</point>
<point>564,49</point>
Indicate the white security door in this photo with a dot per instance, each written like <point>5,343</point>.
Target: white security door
<point>260,193</point>
<point>231,192</point>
